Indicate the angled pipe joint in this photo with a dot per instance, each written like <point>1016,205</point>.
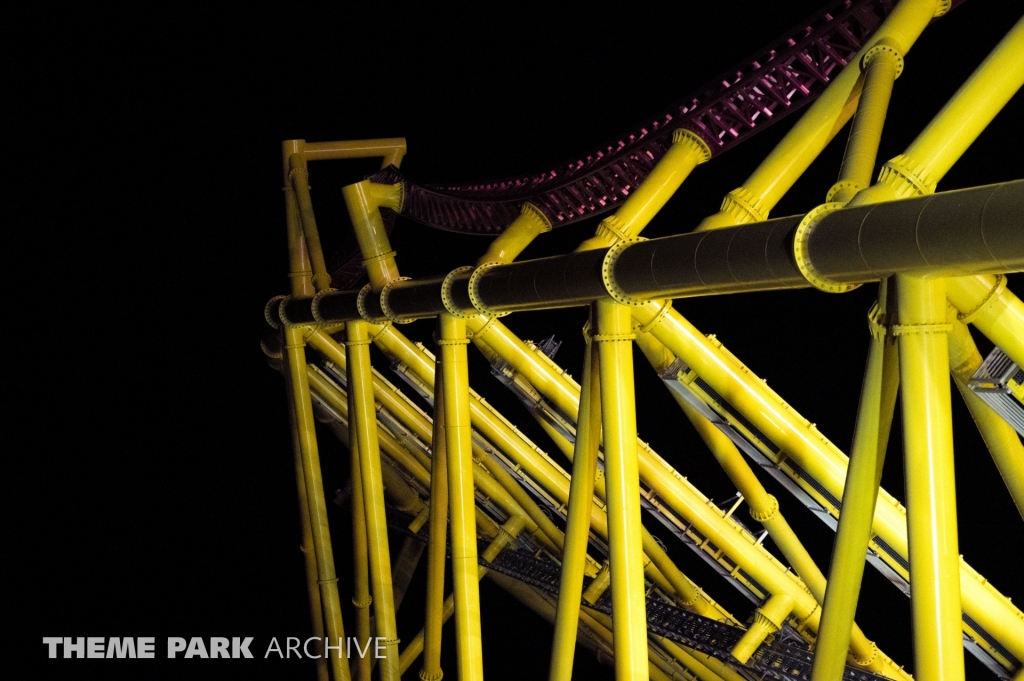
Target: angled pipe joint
<point>984,301</point>
<point>753,201</point>
<point>918,170</point>
<point>882,65</point>
<point>768,619</point>
<point>530,224</point>
<point>688,151</point>
<point>364,201</point>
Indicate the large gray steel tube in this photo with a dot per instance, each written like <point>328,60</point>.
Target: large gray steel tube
<point>969,231</point>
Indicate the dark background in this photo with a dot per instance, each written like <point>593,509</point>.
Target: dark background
<point>148,442</point>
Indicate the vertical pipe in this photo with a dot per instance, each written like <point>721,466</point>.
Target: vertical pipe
<point>295,357</point>
<point>298,258</point>
<point>458,439</point>
<point>299,176</point>
<point>361,599</point>
<point>931,494</point>
<point>577,527</point>
<point>618,417</point>
<point>860,494</point>
<point>970,110</point>
<point>308,551</point>
<point>363,420</point>
<point>435,618</point>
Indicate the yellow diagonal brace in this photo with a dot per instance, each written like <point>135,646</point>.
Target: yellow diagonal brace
<point>577,527</point>
<point>860,496</point>
<point>793,155</point>
<point>1000,437</point>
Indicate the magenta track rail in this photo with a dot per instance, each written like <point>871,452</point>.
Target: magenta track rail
<point>776,81</point>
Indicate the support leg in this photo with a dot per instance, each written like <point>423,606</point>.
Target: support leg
<point>458,439</point>
<point>863,477</point>
<point>436,604</point>
<point>295,356</point>
<point>577,528</point>
<point>618,415</point>
<point>363,419</point>
<point>931,495</point>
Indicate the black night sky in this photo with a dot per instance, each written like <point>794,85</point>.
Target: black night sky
<point>148,442</point>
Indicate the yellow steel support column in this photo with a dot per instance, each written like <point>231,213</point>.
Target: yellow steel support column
<point>364,200</point>
<point>618,416</point>
<point>295,363</point>
<point>961,120</point>
<point>882,65</point>
<point>1000,437</point>
<point>984,301</point>
<point>860,495</point>
<point>768,619</point>
<point>517,236</point>
<point>299,176</point>
<point>435,618</point>
<point>458,440</point>
<point>501,488</point>
<point>791,157</point>
<point>363,418</point>
<point>812,451</point>
<point>298,258</point>
<point>361,599</point>
<point>931,494</point>
<point>687,151</point>
<point>577,526</point>
<point>307,548</point>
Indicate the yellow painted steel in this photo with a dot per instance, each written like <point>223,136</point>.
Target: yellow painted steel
<point>930,482</point>
<point>764,507</point>
<point>688,150</point>
<point>1000,437</point>
<point>499,487</point>
<point>670,487</point>
<point>985,302</point>
<point>577,526</point>
<point>599,585</point>
<point>299,269</point>
<point>618,419</point>
<point>364,201</point>
<point>299,176</point>
<point>307,548</point>
<point>391,149</point>
<point>793,155</point>
<point>435,604</point>
<point>882,65</point>
<point>712,664</point>
<point>517,236</point>
<point>295,363</point>
<point>948,135</point>
<point>817,456</point>
<point>674,662</point>
<point>458,440</point>
<point>361,599</point>
<point>364,428</point>
<point>768,619</point>
<point>860,496</point>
